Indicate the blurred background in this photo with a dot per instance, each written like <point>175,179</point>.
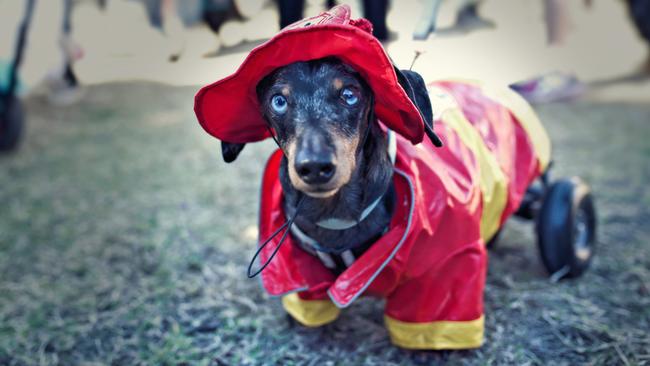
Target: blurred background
<point>124,238</point>
<point>123,40</point>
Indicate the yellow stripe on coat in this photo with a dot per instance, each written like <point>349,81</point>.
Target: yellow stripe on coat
<point>310,313</point>
<point>437,334</point>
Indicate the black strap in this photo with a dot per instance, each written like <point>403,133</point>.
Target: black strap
<point>287,226</point>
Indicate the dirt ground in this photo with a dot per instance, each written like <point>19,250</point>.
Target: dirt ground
<point>124,240</point>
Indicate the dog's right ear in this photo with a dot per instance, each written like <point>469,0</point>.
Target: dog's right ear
<point>231,150</point>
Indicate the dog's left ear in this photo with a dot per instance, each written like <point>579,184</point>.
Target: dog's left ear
<point>416,90</point>
<point>231,150</point>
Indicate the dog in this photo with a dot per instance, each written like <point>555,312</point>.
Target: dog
<point>336,157</point>
<point>336,154</point>
<point>371,206</point>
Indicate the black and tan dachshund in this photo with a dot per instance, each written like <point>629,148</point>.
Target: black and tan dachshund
<point>335,152</point>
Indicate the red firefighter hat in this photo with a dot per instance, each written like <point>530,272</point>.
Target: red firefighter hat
<point>229,110</point>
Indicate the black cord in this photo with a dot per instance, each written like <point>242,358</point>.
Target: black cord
<point>286,225</point>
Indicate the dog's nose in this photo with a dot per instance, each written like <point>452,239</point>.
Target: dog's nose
<point>315,170</point>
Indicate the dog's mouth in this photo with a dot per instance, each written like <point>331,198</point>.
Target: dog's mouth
<point>325,190</point>
<point>320,192</point>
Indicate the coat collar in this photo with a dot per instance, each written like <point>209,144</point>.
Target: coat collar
<point>293,269</point>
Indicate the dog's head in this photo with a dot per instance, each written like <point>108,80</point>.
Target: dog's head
<point>321,112</point>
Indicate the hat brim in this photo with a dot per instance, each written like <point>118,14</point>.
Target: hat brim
<point>229,110</point>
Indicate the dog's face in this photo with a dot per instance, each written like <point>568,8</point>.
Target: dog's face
<point>319,111</point>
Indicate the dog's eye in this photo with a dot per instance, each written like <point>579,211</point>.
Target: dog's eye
<point>279,103</point>
<point>349,96</point>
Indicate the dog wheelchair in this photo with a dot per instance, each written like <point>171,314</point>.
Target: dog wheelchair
<point>565,223</point>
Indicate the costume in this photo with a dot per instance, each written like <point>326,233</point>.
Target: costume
<point>430,265</point>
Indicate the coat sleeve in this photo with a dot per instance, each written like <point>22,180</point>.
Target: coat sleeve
<point>443,307</point>
<point>311,308</point>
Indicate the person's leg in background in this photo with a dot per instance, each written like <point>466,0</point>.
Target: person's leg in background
<point>427,22</point>
<point>216,12</point>
<point>640,13</point>
<point>67,44</point>
<point>290,11</point>
<point>556,16</point>
<point>174,29</point>
<point>62,81</point>
<point>154,13</point>
<point>164,16</point>
<point>468,16</point>
<point>375,11</point>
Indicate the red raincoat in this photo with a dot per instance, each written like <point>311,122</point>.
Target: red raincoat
<point>431,264</point>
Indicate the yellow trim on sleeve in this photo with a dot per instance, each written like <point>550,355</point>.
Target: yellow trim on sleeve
<point>310,313</point>
<point>493,182</point>
<point>436,335</point>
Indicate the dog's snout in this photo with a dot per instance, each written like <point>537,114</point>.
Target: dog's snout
<point>314,161</point>
<point>314,169</point>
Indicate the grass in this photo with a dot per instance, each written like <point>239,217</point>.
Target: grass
<point>124,240</point>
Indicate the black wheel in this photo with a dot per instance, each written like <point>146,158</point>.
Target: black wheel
<point>566,228</point>
<point>12,119</point>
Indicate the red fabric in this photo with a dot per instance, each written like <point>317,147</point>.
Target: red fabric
<point>228,109</point>
<point>496,124</point>
<point>431,264</point>
<point>363,24</point>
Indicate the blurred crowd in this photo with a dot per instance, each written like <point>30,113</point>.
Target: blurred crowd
<point>230,20</point>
